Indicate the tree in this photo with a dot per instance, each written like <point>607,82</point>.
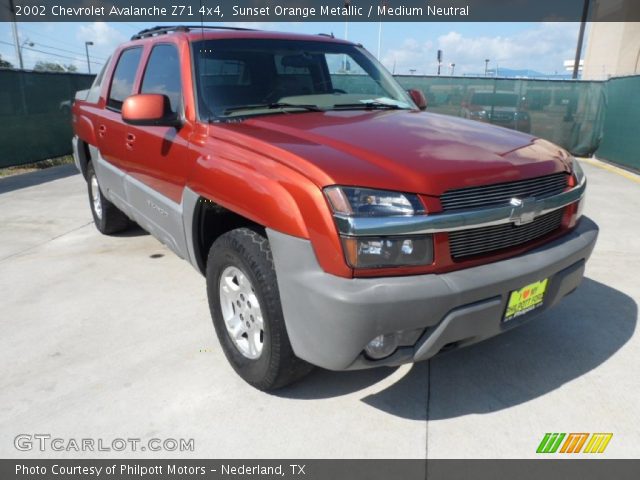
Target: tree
<point>42,66</point>
<point>4,63</point>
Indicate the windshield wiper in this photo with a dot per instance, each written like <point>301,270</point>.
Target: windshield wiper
<point>273,106</point>
<point>368,106</point>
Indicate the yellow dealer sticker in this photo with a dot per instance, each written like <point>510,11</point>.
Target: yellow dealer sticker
<point>526,299</point>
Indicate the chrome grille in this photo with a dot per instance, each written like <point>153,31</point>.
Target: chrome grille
<point>500,194</point>
<point>465,243</point>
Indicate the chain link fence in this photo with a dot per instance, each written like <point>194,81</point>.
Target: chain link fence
<point>583,117</point>
<point>567,113</point>
<point>35,114</point>
<point>621,130</point>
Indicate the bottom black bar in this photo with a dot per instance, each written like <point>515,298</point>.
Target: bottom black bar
<point>543,469</point>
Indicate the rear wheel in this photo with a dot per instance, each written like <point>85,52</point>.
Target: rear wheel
<point>106,216</point>
<point>246,311</point>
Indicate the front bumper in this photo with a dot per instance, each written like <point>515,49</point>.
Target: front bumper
<point>330,319</point>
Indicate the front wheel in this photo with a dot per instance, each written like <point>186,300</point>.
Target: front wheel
<point>246,311</point>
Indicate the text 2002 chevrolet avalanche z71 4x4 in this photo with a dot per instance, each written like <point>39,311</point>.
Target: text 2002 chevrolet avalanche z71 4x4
<point>337,223</point>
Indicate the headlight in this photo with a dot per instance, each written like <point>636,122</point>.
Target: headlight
<point>578,173</point>
<point>578,177</point>
<point>380,252</point>
<point>365,202</point>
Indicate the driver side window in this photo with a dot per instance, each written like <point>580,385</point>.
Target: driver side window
<point>162,75</point>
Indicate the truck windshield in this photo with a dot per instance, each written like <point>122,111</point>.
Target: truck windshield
<point>242,77</point>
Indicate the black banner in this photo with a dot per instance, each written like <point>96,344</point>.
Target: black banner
<point>583,469</point>
<point>215,11</point>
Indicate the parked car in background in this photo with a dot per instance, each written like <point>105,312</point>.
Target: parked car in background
<point>506,109</point>
<point>336,223</point>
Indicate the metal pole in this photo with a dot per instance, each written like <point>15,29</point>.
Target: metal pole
<point>583,23</point>
<point>16,38</point>
<point>379,38</point>
<point>86,47</point>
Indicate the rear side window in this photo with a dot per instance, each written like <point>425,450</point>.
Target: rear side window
<point>94,92</point>
<point>123,77</point>
<point>162,74</point>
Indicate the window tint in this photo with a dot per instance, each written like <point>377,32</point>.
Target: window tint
<point>162,74</point>
<point>252,72</point>
<point>123,77</point>
<point>224,71</point>
<point>94,92</point>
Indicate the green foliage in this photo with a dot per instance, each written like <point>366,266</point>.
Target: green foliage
<point>54,67</point>
<point>4,63</point>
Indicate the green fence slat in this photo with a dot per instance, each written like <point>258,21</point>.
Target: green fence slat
<point>621,130</point>
<point>35,114</point>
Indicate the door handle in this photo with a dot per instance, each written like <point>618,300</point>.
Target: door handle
<point>131,138</point>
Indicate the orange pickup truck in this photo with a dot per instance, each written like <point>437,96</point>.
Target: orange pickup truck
<point>337,223</point>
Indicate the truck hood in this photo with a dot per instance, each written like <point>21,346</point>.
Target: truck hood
<point>401,150</point>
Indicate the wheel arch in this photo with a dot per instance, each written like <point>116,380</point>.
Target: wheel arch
<point>84,156</point>
<point>209,221</point>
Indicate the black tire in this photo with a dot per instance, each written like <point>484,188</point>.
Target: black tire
<point>249,252</point>
<point>110,220</point>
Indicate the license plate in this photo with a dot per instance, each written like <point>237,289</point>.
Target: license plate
<point>526,299</point>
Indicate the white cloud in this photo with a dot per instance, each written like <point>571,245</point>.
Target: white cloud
<point>103,35</point>
<point>543,49</point>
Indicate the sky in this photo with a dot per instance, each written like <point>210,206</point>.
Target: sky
<point>540,47</point>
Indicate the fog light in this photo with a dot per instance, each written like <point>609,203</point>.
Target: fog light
<point>380,252</point>
<point>382,346</point>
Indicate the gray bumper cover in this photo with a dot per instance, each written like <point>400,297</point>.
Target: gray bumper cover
<point>330,319</point>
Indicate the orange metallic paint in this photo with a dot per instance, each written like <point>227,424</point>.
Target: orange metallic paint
<point>271,169</point>
<point>149,106</point>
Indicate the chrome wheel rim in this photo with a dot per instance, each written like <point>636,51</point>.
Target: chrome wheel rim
<point>241,312</point>
<point>95,196</point>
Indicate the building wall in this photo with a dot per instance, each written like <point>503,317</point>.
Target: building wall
<point>613,49</point>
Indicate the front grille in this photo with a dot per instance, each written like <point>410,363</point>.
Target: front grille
<point>502,117</point>
<point>500,194</point>
<point>466,243</point>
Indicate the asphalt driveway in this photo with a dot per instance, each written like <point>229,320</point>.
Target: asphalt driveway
<point>110,337</point>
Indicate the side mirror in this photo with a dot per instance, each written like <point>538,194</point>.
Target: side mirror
<point>418,98</point>
<point>149,109</point>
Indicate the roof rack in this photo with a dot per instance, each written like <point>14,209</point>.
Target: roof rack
<point>163,30</point>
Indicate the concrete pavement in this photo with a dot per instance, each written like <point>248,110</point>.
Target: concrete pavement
<point>110,337</point>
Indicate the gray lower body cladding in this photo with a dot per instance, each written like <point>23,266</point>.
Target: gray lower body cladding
<point>330,319</point>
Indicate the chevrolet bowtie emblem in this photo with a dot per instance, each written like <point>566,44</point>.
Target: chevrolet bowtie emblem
<point>524,210</point>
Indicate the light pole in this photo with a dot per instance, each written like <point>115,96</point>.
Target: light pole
<point>28,43</point>
<point>347,4</point>
<point>16,38</point>
<point>86,48</point>
<point>453,68</point>
<point>583,22</point>
<point>486,67</point>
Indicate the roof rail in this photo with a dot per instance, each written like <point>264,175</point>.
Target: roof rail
<point>330,35</point>
<point>162,30</point>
